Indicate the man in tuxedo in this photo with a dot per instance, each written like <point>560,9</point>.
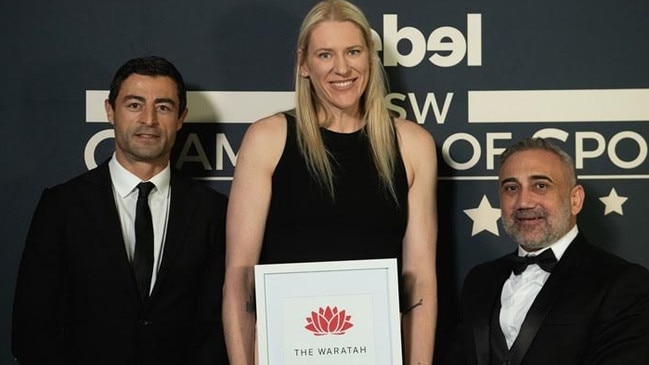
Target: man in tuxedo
<point>124,263</point>
<point>569,302</point>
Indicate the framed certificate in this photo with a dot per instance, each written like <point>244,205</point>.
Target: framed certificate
<point>342,312</point>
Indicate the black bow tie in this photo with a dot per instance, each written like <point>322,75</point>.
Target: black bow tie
<point>546,260</point>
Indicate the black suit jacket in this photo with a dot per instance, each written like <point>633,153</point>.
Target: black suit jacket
<point>76,299</point>
<point>594,309</point>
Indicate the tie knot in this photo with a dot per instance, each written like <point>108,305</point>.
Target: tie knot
<point>546,261</point>
<point>144,189</point>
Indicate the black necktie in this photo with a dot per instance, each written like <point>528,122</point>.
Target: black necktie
<point>546,261</point>
<point>143,257</point>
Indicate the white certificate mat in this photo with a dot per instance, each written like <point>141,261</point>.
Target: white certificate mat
<point>322,313</point>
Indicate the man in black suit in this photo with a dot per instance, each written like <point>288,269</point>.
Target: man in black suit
<point>119,272</point>
<point>589,307</point>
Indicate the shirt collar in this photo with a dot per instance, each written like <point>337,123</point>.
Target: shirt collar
<point>558,248</point>
<point>125,182</point>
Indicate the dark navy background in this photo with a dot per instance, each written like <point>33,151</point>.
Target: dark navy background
<point>52,52</point>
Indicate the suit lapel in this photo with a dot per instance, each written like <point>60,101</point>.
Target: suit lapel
<point>492,287</point>
<point>180,213</point>
<point>102,212</point>
<point>554,286</point>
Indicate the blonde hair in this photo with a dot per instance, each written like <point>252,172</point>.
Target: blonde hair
<point>380,130</point>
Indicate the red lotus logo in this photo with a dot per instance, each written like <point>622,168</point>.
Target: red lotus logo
<point>328,321</point>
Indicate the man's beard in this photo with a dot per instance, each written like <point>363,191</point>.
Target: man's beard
<point>538,236</point>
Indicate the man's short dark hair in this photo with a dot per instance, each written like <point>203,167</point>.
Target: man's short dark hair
<point>545,145</point>
<point>149,66</point>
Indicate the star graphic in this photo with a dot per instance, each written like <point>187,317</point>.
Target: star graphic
<point>613,202</point>
<point>485,218</point>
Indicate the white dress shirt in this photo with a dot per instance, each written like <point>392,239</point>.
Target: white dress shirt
<point>125,192</point>
<point>519,291</point>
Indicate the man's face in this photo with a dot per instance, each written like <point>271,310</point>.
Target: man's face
<point>146,119</point>
<point>538,201</point>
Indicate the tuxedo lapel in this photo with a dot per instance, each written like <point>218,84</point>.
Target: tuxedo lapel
<point>102,213</point>
<point>481,332</point>
<point>180,213</point>
<point>554,286</point>
<point>484,306</point>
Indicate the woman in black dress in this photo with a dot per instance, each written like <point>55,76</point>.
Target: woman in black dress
<point>337,178</point>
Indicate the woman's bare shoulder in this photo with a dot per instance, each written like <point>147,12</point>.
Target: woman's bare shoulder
<point>266,133</point>
<point>412,133</point>
<point>268,126</point>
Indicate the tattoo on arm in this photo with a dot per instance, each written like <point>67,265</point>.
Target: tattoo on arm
<point>409,309</point>
<point>250,303</point>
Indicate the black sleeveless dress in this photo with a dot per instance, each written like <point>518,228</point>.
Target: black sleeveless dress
<point>363,221</point>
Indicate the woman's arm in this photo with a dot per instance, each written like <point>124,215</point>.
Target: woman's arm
<point>419,318</point>
<point>248,206</point>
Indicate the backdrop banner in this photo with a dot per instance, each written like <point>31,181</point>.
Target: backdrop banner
<point>478,75</point>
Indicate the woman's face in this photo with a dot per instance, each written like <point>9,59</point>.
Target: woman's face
<point>338,63</point>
